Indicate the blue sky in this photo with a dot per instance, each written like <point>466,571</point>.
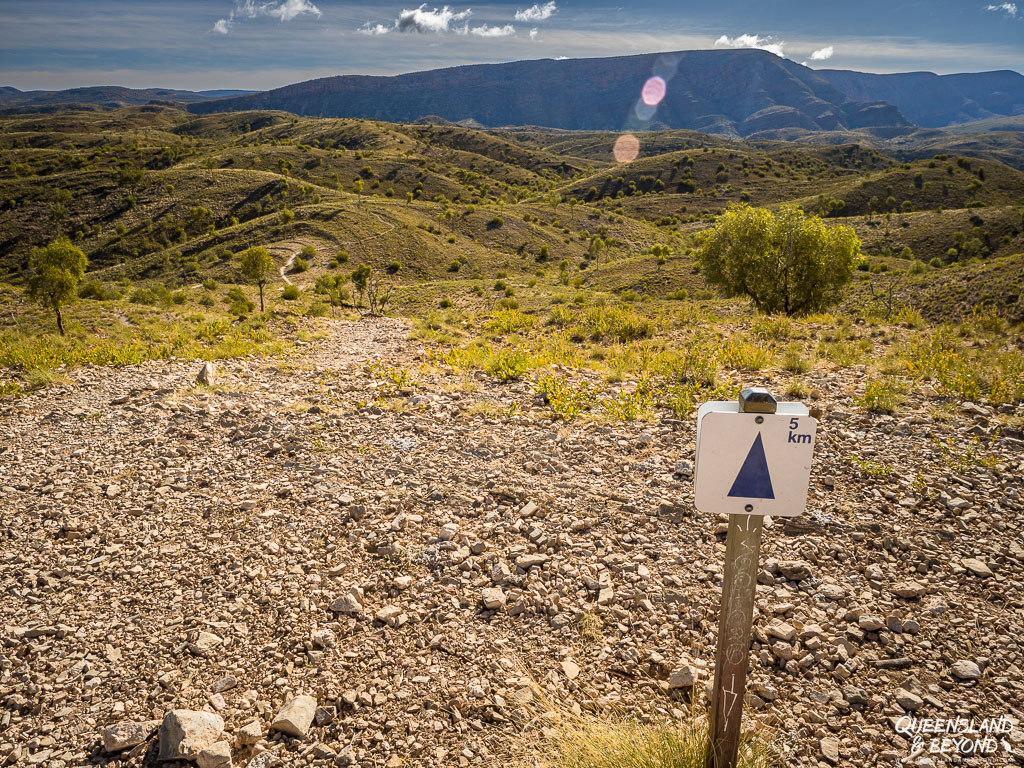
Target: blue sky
<point>256,44</point>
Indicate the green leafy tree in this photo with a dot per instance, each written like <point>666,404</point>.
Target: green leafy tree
<point>360,276</point>
<point>661,254</point>
<point>54,273</point>
<point>257,267</point>
<point>785,262</point>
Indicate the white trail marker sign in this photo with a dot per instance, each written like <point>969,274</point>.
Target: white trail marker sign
<point>753,459</point>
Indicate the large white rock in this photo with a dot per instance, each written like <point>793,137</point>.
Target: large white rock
<point>215,756</point>
<point>346,604</point>
<point>207,374</point>
<point>123,735</point>
<point>185,733</point>
<point>295,716</point>
<point>493,598</point>
<point>965,670</point>
<point>250,733</point>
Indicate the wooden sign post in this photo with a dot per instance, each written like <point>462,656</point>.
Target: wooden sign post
<point>753,459</point>
<point>742,548</point>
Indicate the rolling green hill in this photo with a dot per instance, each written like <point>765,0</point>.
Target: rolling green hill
<point>155,194</point>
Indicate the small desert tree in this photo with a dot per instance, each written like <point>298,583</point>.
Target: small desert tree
<point>785,261</point>
<point>257,267</point>
<point>595,248</point>
<point>54,273</point>
<point>660,254</point>
<point>360,277</point>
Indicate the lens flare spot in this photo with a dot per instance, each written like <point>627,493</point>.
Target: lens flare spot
<point>644,111</point>
<point>627,147</point>
<point>653,91</point>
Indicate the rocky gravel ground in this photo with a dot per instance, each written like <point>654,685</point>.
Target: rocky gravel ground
<point>305,563</point>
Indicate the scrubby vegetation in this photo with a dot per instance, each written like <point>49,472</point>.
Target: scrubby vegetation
<point>536,248</point>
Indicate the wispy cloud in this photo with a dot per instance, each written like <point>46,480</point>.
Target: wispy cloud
<point>485,31</point>
<point>285,10</point>
<point>823,54</point>
<point>750,41</point>
<point>537,12</point>
<point>422,20</point>
<point>533,33</point>
<point>1010,9</point>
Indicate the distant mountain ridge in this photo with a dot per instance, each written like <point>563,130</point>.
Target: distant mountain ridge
<point>726,92</point>
<point>735,93</point>
<point>936,101</point>
<point>107,96</point>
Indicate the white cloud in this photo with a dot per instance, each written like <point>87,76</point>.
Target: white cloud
<point>422,20</point>
<point>285,10</point>
<point>537,12</point>
<point>750,41</point>
<point>291,9</point>
<point>373,29</point>
<point>533,33</point>
<point>486,31</point>
<point>1009,8</point>
<point>823,54</point>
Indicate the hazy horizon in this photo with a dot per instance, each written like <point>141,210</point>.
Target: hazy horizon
<point>180,87</point>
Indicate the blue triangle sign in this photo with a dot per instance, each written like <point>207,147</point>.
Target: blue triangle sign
<point>753,480</point>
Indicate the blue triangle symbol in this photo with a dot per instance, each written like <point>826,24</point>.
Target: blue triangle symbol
<point>753,480</point>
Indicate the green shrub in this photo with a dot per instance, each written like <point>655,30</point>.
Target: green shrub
<point>679,294</point>
<point>94,289</point>
<point>144,296</point>
<point>455,266</point>
<point>566,400</point>
<point>393,267</point>
<point>238,302</point>
<point>446,303</point>
<point>317,309</point>
<point>290,293</point>
<point>300,265</point>
<point>794,361</point>
<point>742,355</point>
<point>772,328</point>
<point>510,320</point>
<point>509,364</point>
<point>882,396</point>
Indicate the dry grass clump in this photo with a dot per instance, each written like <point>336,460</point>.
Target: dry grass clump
<point>592,741</point>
